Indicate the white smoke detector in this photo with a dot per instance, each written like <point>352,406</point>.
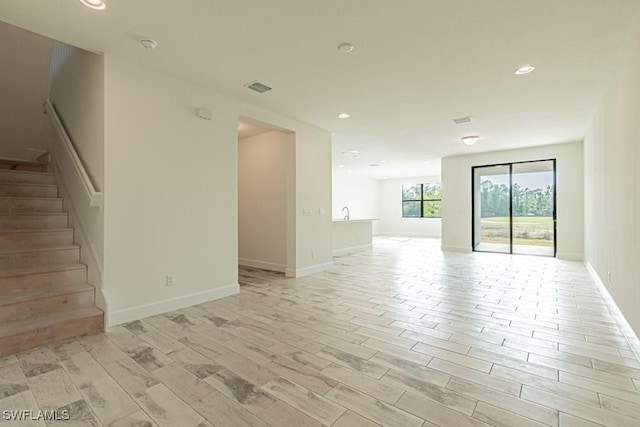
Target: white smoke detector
<point>149,44</point>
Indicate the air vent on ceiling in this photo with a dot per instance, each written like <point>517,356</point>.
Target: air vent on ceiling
<point>461,120</point>
<point>258,87</point>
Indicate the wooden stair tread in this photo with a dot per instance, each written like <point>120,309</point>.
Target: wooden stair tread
<point>44,294</point>
<point>29,198</point>
<point>26,172</point>
<point>22,215</point>
<point>8,164</point>
<point>42,321</point>
<point>27,184</point>
<point>37,230</point>
<point>36,248</point>
<point>14,296</point>
<point>38,269</point>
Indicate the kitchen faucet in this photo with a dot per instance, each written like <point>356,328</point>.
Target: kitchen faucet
<point>346,217</point>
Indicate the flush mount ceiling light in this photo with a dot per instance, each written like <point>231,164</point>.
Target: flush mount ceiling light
<point>149,44</point>
<point>345,47</point>
<point>94,4</point>
<point>353,153</point>
<point>470,140</point>
<point>525,70</point>
<point>343,116</point>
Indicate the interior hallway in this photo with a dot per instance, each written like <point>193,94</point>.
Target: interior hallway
<point>403,334</point>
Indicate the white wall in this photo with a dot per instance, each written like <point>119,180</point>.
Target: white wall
<point>171,192</point>
<point>358,193</point>
<point>313,194</point>
<point>456,195</point>
<point>311,245</point>
<point>264,163</point>
<point>391,221</point>
<point>24,86</point>
<point>170,199</point>
<point>77,93</point>
<point>612,184</point>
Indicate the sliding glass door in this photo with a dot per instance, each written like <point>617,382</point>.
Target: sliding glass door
<point>514,208</point>
<point>492,227</point>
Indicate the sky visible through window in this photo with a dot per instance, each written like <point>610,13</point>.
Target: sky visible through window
<point>530,180</point>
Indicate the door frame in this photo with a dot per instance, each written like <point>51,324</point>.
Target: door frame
<point>510,165</point>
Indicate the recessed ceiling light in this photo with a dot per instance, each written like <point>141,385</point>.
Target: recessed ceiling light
<point>345,47</point>
<point>340,166</point>
<point>427,162</point>
<point>381,161</point>
<point>525,69</point>
<point>343,116</point>
<point>149,44</point>
<point>94,4</point>
<point>470,140</point>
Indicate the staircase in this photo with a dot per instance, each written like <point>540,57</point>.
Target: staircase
<point>44,294</point>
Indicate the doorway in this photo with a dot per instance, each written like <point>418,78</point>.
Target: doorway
<point>514,208</point>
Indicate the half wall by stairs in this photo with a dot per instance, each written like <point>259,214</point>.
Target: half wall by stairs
<point>44,294</point>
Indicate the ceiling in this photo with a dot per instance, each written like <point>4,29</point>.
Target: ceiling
<point>416,65</point>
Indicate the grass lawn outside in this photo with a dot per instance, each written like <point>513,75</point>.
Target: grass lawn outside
<point>527,230</point>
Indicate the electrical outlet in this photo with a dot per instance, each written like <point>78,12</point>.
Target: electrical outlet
<point>170,279</point>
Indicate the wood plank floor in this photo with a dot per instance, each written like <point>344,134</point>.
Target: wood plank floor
<point>401,335</point>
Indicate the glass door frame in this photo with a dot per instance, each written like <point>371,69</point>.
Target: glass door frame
<point>473,204</point>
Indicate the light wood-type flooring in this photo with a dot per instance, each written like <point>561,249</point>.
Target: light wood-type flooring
<point>401,335</point>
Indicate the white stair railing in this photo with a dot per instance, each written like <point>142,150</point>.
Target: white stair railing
<point>63,147</point>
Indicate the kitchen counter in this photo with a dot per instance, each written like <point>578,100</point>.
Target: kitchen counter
<point>354,220</point>
<point>352,235</point>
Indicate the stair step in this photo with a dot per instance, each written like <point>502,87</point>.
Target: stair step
<point>25,303</point>
<point>26,177</point>
<point>52,255</point>
<point>17,239</point>
<point>28,190</point>
<point>29,333</point>
<point>32,221</point>
<point>22,165</point>
<point>10,204</point>
<point>41,275</point>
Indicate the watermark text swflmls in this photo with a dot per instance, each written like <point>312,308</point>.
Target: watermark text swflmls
<point>28,414</point>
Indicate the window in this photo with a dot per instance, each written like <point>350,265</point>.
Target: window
<point>421,201</point>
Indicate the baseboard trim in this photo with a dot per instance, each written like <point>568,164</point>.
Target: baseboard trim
<point>263,265</point>
<point>301,272</point>
<point>568,256</point>
<point>627,330</point>
<point>352,249</point>
<point>134,313</point>
<point>391,234</point>
<point>449,248</point>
